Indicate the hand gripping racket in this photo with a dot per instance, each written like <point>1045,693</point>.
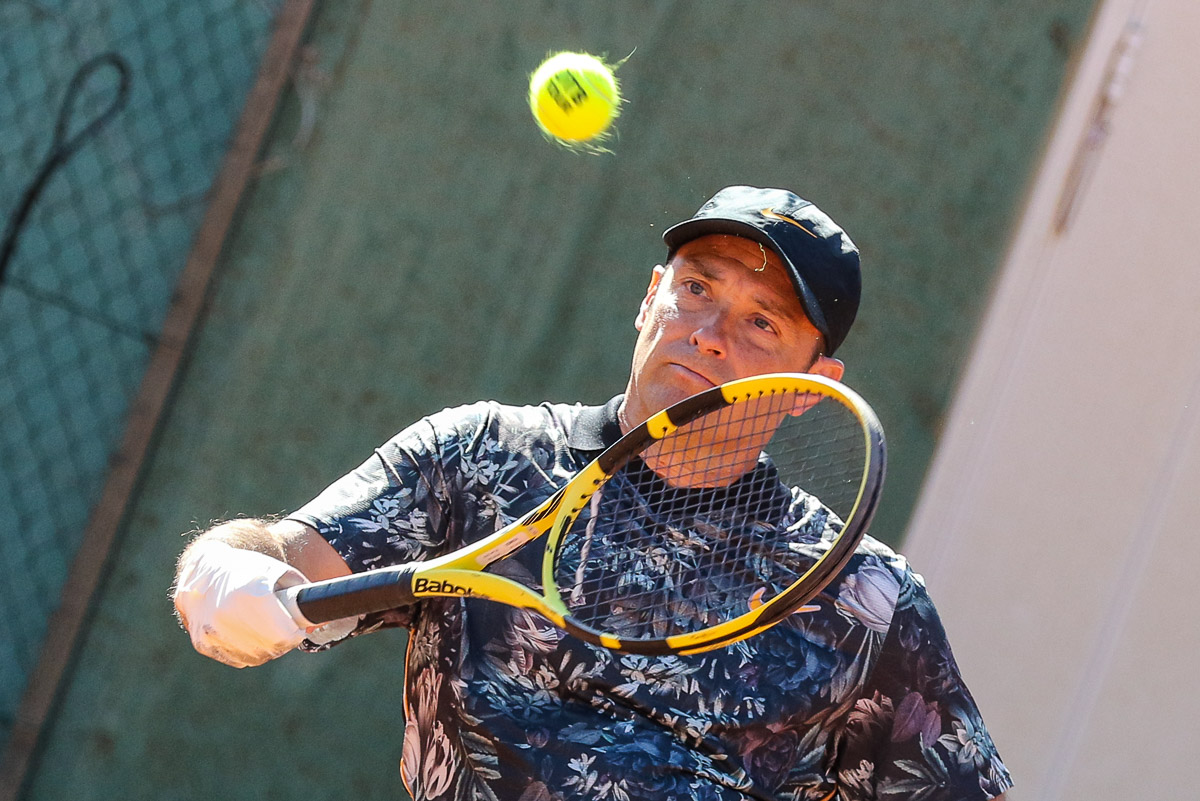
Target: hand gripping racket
<point>707,524</point>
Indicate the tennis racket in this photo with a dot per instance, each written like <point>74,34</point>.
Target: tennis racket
<point>707,524</point>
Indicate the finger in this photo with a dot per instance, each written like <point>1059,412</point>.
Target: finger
<point>206,644</point>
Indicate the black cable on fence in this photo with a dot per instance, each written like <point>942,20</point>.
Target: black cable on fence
<point>62,147</point>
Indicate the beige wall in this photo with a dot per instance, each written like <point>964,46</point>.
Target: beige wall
<point>1056,528</point>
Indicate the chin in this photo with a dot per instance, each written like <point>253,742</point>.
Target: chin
<point>668,385</point>
<point>668,397</point>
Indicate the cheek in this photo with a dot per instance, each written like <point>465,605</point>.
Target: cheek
<point>797,360</point>
<point>773,357</point>
<point>661,314</point>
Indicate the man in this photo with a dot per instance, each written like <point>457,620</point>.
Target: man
<point>858,699</point>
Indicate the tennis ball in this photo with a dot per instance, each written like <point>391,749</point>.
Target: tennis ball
<point>574,98</point>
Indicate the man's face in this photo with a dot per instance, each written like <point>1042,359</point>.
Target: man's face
<point>723,308</point>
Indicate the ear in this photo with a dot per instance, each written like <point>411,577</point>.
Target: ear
<point>651,291</point>
<point>828,367</point>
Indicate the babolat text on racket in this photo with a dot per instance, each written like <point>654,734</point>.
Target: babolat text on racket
<point>708,523</point>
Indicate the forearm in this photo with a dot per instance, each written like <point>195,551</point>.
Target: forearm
<point>288,541</point>
<point>249,534</point>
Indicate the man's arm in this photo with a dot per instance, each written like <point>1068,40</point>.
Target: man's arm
<point>225,584</point>
<point>288,541</point>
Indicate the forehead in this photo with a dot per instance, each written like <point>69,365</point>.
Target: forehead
<point>730,246</point>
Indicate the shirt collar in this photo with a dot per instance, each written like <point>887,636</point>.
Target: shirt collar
<point>596,427</point>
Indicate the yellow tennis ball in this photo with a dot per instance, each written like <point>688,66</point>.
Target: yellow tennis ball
<point>574,98</point>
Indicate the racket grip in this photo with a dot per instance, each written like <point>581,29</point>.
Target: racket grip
<point>349,596</point>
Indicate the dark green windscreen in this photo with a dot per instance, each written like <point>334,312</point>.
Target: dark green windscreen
<point>413,242</point>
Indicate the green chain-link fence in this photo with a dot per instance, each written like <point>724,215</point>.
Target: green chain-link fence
<point>114,117</point>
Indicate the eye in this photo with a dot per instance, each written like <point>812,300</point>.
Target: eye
<point>693,287</point>
<point>763,324</point>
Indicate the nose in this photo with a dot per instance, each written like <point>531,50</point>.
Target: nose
<point>711,335</point>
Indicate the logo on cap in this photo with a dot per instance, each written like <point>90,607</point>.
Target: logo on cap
<point>776,215</point>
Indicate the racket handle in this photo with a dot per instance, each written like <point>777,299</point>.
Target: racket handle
<point>349,596</point>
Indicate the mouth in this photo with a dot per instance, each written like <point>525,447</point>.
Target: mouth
<point>692,376</point>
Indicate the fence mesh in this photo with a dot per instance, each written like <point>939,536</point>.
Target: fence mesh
<point>114,117</point>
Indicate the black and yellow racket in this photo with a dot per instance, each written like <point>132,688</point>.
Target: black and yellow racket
<point>707,524</point>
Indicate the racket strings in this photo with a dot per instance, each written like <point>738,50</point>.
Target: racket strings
<point>723,514</point>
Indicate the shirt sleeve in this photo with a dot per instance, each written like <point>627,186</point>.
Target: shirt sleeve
<point>393,508</point>
<point>916,732</point>
<point>409,499</point>
<point>403,504</point>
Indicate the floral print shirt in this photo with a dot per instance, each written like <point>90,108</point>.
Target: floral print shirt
<point>860,699</point>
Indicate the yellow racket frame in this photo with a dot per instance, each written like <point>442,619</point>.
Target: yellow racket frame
<point>579,491</point>
<point>461,573</point>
